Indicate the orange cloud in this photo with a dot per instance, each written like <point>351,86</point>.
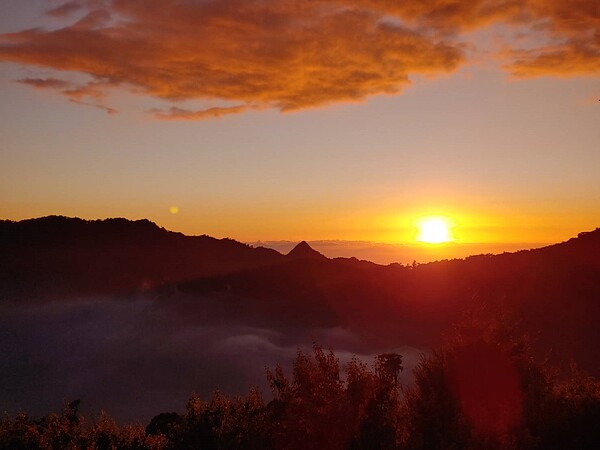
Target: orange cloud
<point>571,58</point>
<point>574,28</point>
<point>284,54</point>
<point>448,16</point>
<point>290,54</point>
<point>571,29</point>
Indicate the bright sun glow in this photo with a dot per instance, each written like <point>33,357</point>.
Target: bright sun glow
<point>433,230</point>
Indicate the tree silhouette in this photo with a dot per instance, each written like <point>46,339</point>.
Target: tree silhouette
<point>481,390</point>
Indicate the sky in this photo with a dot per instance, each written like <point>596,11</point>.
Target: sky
<point>316,119</point>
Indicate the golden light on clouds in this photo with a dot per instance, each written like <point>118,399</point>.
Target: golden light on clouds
<point>289,54</point>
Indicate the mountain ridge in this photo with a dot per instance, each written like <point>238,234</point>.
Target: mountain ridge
<point>554,291</point>
<point>31,230</point>
<point>73,256</point>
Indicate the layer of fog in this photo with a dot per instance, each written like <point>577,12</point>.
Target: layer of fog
<point>136,358</point>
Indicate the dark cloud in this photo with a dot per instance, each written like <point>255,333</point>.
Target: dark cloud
<point>294,54</point>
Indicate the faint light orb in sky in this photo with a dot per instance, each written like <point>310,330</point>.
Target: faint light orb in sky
<point>174,209</point>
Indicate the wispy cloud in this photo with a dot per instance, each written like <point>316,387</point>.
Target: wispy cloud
<point>64,10</point>
<point>77,93</point>
<point>100,106</point>
<point>294,54</point>
<point>565,59</point>
<point>185,114</point>
<point>46,83</point>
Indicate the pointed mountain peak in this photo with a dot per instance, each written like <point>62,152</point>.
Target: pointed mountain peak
<point>303,250</point>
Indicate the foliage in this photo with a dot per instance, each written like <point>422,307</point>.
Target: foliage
<point>68,431</point>
<point>481,390</point>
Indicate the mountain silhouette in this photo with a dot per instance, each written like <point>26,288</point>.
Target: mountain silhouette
<point>553,291</point>
<point>303,250</point>
<point>61,257</point>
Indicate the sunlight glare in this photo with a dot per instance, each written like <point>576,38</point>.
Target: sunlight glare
<point>433,230</point>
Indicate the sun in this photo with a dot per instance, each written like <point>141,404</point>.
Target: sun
<point>433,230</point>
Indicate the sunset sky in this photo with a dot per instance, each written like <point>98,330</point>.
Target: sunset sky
<point>305,119</point>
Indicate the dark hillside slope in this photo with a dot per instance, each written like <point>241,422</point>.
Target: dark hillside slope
<point>554,291</point>
<point>59,257</point>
